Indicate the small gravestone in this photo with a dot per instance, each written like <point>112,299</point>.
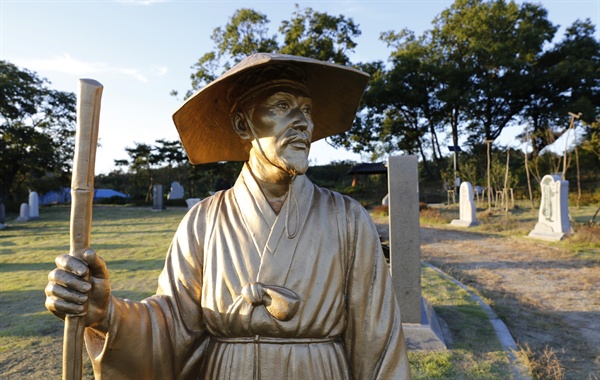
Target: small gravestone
<point>420,324</point>
<point>191,202</point>
<point>24,213</point>
<point>467,207</point>
<point>176,191</point>
<point>386,200</point>
<point>2,216</point>
<point>553,218</point>
<point>157,197</point>
<point>34,205</point>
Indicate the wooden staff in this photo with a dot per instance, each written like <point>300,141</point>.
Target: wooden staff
<point>82,196</point>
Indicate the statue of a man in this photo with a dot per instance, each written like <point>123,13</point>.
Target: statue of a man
<point>274,278</point>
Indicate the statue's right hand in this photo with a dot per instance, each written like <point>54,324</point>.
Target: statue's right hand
<point>80,286</point>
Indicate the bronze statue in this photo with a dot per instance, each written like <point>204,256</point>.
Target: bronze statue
<point>274,278</point>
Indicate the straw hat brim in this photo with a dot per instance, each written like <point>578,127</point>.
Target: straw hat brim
<point>204,120</point>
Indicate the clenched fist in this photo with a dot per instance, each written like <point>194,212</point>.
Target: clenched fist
<point>80,287</point>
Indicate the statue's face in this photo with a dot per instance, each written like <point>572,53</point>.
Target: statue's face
<point>283,124</point>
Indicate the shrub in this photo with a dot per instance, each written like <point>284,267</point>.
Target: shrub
<point>381,211</point>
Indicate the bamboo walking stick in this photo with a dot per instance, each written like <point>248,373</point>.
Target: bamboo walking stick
<point>82,196</point>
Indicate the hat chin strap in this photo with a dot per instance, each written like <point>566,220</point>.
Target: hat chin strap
<point>289,208</point>
<point>249,122</point>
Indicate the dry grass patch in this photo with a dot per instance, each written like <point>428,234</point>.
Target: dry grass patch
<point>543,365</point>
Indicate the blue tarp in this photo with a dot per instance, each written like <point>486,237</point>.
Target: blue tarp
<point>64,196</point>
<point>108,193</point>
<point>56,197</point>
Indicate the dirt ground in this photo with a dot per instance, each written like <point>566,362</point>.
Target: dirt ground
<point>548,299</point>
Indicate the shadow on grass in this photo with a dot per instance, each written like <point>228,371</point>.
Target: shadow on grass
<point>532,324</point>
<point>511,264</point>
<point>467,329</point>
<point>23,314</point>
<point>129,265</point>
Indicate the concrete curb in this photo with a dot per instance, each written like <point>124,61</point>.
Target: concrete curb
<point>520,372</point>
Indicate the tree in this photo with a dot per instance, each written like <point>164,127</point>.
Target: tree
<point>309,33</point>
<point>400,108</point>
<point>319,35</point>
<point>496,42</point>
<point>37,127</point>
<point>171,153</point>
<point>566,78</point>
<point>141,158</point>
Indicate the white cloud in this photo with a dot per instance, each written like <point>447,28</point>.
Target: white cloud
<point>67,64</point>
<point>160,71</point>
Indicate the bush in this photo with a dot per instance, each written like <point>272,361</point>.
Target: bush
<point>114,200</point>
<point>381,211</point>
<point>433,215</point>
<point>176,203</point>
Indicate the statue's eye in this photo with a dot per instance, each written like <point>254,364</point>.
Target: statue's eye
<point>283,105</point>
<point>307,109</point>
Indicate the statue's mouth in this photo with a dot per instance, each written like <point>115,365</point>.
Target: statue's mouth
<point>298,142</point>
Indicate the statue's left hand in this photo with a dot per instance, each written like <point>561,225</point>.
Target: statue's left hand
<point>70,291</point>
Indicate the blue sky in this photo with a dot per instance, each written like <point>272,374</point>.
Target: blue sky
<point>141,50</point>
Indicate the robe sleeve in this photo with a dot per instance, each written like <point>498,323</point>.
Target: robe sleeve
<point>164,336</point>
<point>373,338</point>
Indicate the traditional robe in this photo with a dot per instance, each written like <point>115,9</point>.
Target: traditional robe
<point>249,294</point>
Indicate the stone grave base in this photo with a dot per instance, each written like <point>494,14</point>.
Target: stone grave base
<point>464,223</point>
<point>3,226</point>
<point>544,232</point>
<point>544,235</point>
<point>427,335</point>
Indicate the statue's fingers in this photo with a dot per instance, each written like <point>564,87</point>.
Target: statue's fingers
<point>60,306</point>
<point>58,291</point>
<point>69,280</point>
<point>71,264</point>
<point>96,264</point>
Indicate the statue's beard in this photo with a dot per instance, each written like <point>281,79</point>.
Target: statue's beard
<point>294,166</point>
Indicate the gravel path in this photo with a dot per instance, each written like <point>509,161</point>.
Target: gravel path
<point>548,299</point>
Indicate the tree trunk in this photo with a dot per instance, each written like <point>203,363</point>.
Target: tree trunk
<point>527,166</point>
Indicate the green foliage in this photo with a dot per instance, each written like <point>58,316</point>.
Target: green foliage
<point>485,65</point>
<point>37,125</point>
<point>308,33</point>
<point>334,175</point>
<point>319,35</point>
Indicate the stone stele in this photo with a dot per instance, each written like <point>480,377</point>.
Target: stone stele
<point>34,205</point>
<point>24,213</point>
<point>467,207</point>
<point>553,219</point>
<point>176,191</point>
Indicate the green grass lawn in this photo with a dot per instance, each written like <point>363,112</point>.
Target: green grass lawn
<point>134,242</point>
<point>475,351</point>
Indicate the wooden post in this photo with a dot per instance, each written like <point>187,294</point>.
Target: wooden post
<point>573,117</point>
<point>489,180</point>
<point>527,165</point>
<point>505,194</point>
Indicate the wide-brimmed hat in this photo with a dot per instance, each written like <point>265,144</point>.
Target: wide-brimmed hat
<point>204,120</point>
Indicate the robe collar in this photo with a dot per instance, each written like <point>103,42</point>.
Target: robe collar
<point>273,240</point>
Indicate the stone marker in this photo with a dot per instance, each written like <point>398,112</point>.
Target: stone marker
<point>176,191</point>
<point>24,213</point>
<point>467,207</point>
<point>191,202</point>
<point>386,200</point>
<point>34,205</point>
<point>420,324</point>
<point>553,219</point>
<point>2,216</point>
<point>157,197</point>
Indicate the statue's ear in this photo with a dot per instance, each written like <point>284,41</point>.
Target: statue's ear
<point>239,125</point>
